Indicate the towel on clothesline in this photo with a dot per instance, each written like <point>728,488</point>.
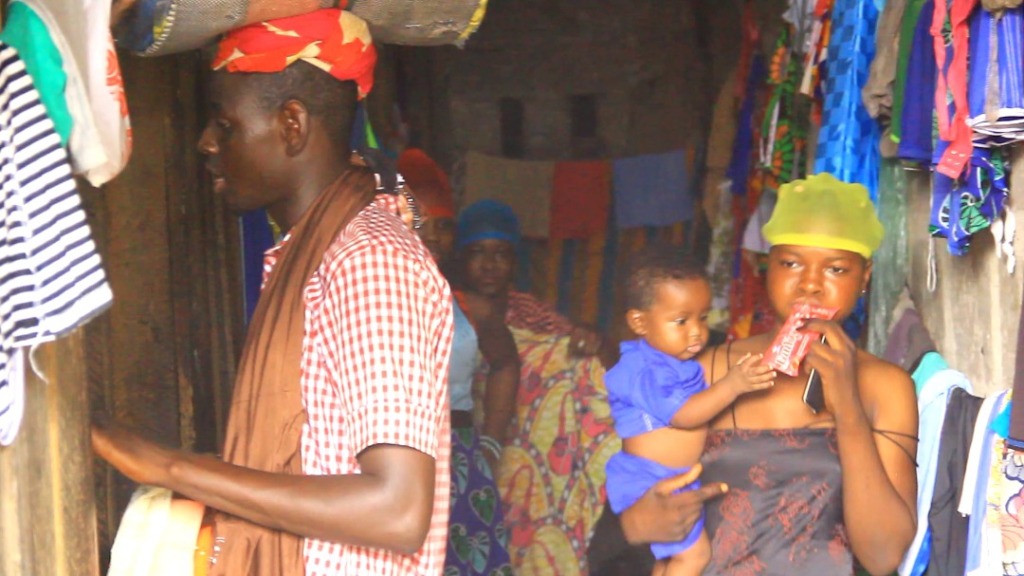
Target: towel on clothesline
<point>580,199</point>
<point>523,185</point>
<point>652,190</point>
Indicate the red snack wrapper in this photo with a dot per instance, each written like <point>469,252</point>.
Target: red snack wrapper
<point>792,345</point>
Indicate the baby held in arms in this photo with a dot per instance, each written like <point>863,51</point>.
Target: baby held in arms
<point>659,399</point>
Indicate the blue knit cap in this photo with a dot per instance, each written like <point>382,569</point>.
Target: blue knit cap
<point>487,220</point>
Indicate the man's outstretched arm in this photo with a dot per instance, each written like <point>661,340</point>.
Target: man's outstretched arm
<point>387,506</point>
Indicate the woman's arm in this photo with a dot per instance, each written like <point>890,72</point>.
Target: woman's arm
<point>499,349</point>
<point>879,476</point>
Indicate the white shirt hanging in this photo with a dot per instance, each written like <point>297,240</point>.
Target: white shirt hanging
<point>101,137</point>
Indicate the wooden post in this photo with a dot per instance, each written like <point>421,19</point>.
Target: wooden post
<point>47,505</point>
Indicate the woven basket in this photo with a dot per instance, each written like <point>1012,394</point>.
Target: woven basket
<point>159,27</point>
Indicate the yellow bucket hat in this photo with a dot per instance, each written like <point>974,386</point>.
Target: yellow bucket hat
<point>825,212</point>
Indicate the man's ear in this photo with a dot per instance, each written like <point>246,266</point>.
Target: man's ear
<point>637,321</point>
<point>295,126</point>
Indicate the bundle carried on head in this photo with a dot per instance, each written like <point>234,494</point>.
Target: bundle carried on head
<point>159,27</point>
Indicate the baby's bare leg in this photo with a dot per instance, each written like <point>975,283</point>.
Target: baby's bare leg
<point>689,562</point>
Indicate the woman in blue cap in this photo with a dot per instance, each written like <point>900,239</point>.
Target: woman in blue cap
<point>551,475</point>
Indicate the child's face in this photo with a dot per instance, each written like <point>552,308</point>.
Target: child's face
<point>677,321</point>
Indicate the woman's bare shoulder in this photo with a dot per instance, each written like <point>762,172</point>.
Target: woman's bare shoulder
<point>875,371</point>
<point>886,390</point>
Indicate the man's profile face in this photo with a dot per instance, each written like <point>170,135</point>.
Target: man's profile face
<point>243,147</point>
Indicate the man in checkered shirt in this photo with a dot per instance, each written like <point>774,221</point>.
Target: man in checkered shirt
<point>370,491</point>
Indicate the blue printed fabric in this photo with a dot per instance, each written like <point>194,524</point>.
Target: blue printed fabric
<point>996,77</point>
<point>964,207</point>
<point>848,140</point>
<point>918,117</point>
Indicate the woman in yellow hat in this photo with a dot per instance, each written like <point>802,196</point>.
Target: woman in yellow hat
<point>789,490</point>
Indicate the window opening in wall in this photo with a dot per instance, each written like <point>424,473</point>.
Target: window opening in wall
<point>513,137</point>
<point>583,126</point>
<point>584,116</point>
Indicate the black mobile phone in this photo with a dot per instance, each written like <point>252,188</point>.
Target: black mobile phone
<point>814,395</point>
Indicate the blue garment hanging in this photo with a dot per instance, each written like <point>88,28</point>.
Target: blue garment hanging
<point>848,139</point>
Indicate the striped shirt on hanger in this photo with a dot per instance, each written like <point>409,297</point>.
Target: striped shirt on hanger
<point>51,278</point>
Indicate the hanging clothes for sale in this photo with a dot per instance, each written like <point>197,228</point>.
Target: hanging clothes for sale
<point>950,28</point>
<point>26,32</point>
<point>653,190</point>
<point>965,199</point>
<point>849,137</point>
<point>968,205</point>
<point>814,65</point>
<point>51,278</point>
<point>932,403</point>
<point>878,91</point>
<point>947,528</point>
<point>750,311</point>
<point>738,171</point>
<point>101,139</point>
<point>783,138</point>
<point>1004,520</point>
<point>974,494</point>
<point>908,27</point>
<point>996,78</point>
<point>917,108</point>
<point>799,15</point>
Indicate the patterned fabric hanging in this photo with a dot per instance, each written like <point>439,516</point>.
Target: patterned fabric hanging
<point>815,60</point>
<point>784,127</point>
<point>849,137</point>
<point>749,310</point>
<point>966,206</point>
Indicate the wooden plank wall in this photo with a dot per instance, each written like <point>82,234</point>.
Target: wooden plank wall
<point>47,504</point>
<point>47,510</point>
<point>973,313</point>
<point>160,361</point>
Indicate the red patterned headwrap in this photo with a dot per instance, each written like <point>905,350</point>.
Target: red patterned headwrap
<point>429,183</point>
<point>336,41</point>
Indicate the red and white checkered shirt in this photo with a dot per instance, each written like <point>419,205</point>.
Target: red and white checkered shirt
<point>375,371</point>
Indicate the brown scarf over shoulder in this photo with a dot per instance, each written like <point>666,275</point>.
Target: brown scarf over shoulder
<point>265,425</point>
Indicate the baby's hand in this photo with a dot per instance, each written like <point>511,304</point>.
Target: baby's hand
<point>749,375</point>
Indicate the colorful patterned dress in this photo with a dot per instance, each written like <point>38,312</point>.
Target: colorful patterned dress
<point>477,538</point>
<point>551,477</point>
